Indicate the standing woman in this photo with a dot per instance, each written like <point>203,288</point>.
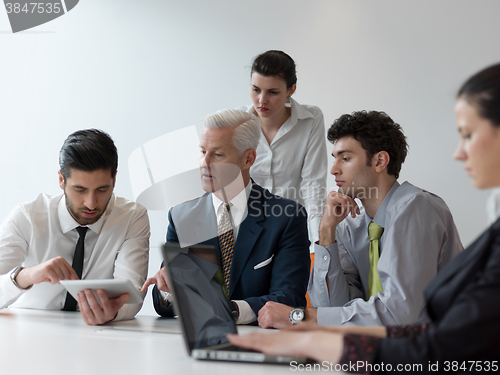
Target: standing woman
<point>291,155</point>
<point>463,301</point>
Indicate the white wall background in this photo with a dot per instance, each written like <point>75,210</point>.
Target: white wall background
<point>139,69</point>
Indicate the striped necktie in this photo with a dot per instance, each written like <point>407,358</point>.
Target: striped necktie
<point>226,242</point>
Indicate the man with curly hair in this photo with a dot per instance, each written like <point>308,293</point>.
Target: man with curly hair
<point>372,262</point>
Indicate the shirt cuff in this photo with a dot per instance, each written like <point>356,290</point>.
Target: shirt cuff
<point>313,222</point>
<point>324,255</point>
<point>326,264</point>
<point>359,350</point>
<point>246,313</point>
<point>127,311</point>
<point>8,291</point>
<point>329,316</point>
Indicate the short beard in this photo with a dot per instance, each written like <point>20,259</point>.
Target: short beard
<point>73,214</point>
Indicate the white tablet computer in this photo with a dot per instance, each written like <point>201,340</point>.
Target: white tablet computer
<point>112,287</point>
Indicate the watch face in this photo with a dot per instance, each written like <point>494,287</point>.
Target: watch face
<point>297,315</point>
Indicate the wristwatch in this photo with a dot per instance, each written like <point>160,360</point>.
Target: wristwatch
<point>297,315</point>
<point>235,310</point>
<point>166,298</point>
<point>13,276</point>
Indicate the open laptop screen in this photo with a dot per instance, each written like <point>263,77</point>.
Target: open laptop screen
<point>201,302</point>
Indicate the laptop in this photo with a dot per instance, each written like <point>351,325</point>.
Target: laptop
<point>203,308</point>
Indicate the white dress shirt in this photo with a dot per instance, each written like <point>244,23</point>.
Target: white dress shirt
<point>295,165</point>
<point>116,246</point>
<point>239,208</point>
<point>419,238</point>
<point>238,212</point>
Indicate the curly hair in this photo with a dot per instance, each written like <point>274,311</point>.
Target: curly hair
<point>376,132</point>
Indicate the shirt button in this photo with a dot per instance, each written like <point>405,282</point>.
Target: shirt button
<point>325,257</point>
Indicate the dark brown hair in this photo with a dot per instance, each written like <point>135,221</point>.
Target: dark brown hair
<point>376,132</point>
<point>276,63</point>
<point>88,150</point>
<point>482,91</point>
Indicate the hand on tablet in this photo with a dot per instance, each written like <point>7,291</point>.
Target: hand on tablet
<point>160,279</point>
<point>95,314</point>
<point>52,271</point>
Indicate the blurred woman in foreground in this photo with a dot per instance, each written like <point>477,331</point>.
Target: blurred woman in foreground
<point>463,301</point>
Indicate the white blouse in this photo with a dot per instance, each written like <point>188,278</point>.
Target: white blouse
<point>294,165</point>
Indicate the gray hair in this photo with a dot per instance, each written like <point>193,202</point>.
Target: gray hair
<point>247,127</point>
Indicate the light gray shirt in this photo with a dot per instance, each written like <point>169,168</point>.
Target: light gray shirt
<point>419,238</point>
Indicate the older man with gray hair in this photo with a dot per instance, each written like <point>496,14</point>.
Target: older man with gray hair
<point>261,238</point>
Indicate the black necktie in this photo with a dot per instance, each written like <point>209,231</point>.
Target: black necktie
<point>70,304</point>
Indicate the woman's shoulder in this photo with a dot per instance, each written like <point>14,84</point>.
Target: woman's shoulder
<point>315,111</point>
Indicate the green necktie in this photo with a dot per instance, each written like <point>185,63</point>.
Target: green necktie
<point>219,279</point>
<point>374,284</point>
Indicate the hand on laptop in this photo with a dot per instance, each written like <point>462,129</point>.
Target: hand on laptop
<point>316,344</point>
<point>95,314</point>
<point>160,279</point>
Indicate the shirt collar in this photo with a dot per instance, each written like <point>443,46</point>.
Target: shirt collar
<point>240,201</point>
<point>68,223</point>
<point>299,112</point>
<point>380,215</point>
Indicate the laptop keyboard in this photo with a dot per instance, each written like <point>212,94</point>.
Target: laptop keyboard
<point>233,348</point>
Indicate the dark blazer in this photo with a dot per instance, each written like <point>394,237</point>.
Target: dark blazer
<point>271,259</point>
<point>463,303</point>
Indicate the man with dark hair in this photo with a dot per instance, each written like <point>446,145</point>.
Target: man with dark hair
<point>88,150</point>
<point>372,263</point>
<point>85,233</point>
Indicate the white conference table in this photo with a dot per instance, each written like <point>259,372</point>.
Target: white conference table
<point>59,343</point>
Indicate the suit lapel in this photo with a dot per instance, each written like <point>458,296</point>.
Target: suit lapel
<point>249,232</point>
<point>205,228</point>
